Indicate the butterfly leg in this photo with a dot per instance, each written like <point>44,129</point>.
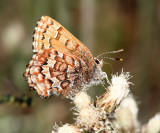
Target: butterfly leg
<point>105,76</point>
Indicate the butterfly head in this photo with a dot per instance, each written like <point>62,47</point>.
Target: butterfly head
<point>98,62</point>
<point>98,67</point>
<point>97,75</point>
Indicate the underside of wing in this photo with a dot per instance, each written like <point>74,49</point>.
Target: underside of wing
<point>50,34</point>
<point>52,72</point>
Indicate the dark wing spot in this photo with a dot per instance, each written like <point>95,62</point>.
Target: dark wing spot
<point>66,43</point>
<point>34,52</point>
<point>56,52</point>
<point>32,46</point>
<point>41,69</point>
<point>45,31</point>
<point>46,63</point>
<point>50,81</point>
<point>42,46</point>
<point>33,39</point>
<point>44,76</point>
<point>34,31</point>
<point>49,54</point>
<point>43,37</point>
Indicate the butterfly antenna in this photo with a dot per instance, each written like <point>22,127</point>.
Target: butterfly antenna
<point>111,52</point>
<point>119,59</point>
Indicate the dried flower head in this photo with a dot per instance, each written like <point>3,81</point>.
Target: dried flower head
<point>91,118</point>
<point>117,90</point>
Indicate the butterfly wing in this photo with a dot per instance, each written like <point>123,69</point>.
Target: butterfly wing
<point>60,63</point>
<point>52,72</point>
<point>50,34</point>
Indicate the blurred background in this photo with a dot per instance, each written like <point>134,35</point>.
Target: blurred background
<point>102,25</point>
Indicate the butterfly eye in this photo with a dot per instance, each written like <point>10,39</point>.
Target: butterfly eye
<point>97,61</point>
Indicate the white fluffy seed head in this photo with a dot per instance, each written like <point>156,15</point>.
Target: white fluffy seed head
<point>153,125</point>
<point>67,129</point>
<point>130,104</point>
<point>82,100</point>
<point>118,89</point>
<point>126,114</point>
<point>120,86</point>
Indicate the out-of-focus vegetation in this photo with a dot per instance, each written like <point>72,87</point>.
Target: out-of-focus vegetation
<point>102,25</point>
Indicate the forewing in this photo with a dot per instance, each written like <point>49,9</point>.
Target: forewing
<point>50,34</point>
<point>52,72</point>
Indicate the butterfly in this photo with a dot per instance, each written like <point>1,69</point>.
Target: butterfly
<point>61,64</point>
